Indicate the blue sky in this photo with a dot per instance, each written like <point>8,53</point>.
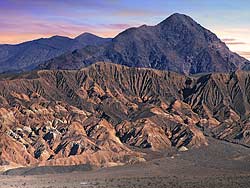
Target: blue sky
<point>23,20</point>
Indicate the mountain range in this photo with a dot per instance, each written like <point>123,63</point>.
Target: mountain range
<point>169,87</point>
<point>28,55</point>
<point>176,44</point>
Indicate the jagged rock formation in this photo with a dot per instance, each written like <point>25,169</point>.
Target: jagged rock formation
<point>93,116</point>
<point>176,44</point>
<point>223,99</point>
<point>28,55</point>
<point>99,115</point>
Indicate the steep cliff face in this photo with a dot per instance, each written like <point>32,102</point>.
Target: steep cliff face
<point>99,115</point>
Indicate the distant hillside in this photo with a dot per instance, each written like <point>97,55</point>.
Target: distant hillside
<point>28,55</point>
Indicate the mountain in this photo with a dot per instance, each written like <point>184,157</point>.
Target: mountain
<point>105,114</point>
<point>90,39</point>
<point>28,55</point>
<point>176,44</point>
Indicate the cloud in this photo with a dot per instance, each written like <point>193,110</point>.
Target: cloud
<point>138,13</point>
<point>232,41</point>
<point>116,26</point>
<point>235,43</point>
<point>228,40</point>
<point>30,28</point>
<point>35,19</point>
<point>7,38</point>
<point>245,54</point>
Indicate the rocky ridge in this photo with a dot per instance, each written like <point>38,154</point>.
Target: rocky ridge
<point>99,115</point>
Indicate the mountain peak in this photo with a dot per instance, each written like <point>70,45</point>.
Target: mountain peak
<point>179,15</point>
<point>86,34</point>
<point>177,44</point>
<point>91,39</point>
<point>178,18</point>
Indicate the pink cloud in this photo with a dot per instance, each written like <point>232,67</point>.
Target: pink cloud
<point>244,53</point>
<point>232,41</point>
<point>235,43</point>
<point>116,26</point>
<point>228,40</point>
<point>29,29</point>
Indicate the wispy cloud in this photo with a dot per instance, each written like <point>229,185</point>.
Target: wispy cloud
<point>236,43</point>
<point>237,38</point>
<point>139,13</point>
<point>245,54</point>
<point>20,20</point>
<point>116,26</point>
<point>29,19</point>
<point>231,41</point>
<point>23,30</point>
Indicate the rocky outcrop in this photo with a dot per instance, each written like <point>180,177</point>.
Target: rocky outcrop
<point>223,100</point>
<point>93,116</point>
<point>99,115</point>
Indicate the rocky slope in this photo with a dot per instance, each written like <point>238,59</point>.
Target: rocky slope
<point>28,55</point>
<point>223,99</point>
<point>99,115</point>
<point>94,115</point>
<point>176,44</point>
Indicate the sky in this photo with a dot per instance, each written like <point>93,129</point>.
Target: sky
<point>23,20</point>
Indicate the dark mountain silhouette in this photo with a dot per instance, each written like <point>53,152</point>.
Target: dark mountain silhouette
<point>90,39</point>
<point>28,55</point>
<point>176,44</point>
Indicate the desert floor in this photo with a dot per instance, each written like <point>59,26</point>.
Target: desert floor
<point>218,165</point>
